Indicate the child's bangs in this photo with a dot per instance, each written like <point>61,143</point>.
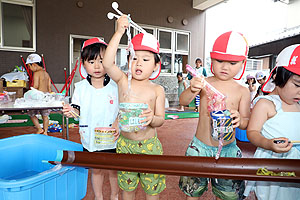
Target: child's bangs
<point>92,52</point>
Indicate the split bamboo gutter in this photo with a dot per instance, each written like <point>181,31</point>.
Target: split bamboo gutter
<point>226,168</point>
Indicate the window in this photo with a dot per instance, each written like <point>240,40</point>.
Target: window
<point>166,62</point>
<point>124,39</point>
<point>174,49</point>
<point>180,63</point>
<point>17,30</point>
<point>254,64</point>
<point>182,42</point>
<point>165,39</point>
<point>121,59</point>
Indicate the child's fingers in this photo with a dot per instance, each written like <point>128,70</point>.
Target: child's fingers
<point>146,121</point>
<point>116,135</point>
<point>146,112</point>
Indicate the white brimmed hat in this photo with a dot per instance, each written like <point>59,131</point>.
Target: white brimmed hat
<point>231,46</point>
<point>289,58</point>
<point>259,75</point>
<point>147,42</point>
<point>86,43</point>
<point>33,58</point>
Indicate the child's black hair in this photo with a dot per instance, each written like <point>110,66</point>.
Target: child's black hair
<point>282,76</point>
<point>40,64</point>
<point>254,81</point>
<point>91,52</point>
<point>179,74</point>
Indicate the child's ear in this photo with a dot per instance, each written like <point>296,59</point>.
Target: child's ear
<point>156,66</point>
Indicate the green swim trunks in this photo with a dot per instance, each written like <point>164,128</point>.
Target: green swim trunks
<point>225,189</point>
<point>152,184</point>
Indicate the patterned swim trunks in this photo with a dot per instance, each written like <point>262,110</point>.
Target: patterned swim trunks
<point>152,184</point>
<point>225,189</point>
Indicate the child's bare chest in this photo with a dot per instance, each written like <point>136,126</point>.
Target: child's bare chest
<point>138,94</point>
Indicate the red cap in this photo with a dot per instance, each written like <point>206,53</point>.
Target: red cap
<point>86,43</point>
<point>231,46</point>
<point>92,41</point>
<point>147,42</point>
<point>287,58</point>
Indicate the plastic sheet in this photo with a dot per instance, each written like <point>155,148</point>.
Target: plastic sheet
<point>15,76</point>
<point>36,98</point>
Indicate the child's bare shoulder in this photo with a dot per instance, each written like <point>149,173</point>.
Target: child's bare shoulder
<point>157,87</point>
<point>241,88</point>
<point>265,105</point>
<point>264,102</point>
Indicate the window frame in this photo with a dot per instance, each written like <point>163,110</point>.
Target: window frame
<point>31,3</point>
<point>176,42</point>
<point>173,50</point>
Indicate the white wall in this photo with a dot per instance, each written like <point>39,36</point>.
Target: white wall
<point>293,14</point>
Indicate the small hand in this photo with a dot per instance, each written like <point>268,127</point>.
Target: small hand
<point>280,145</point>
<point>122,24</point>
<point>236,118</point>
<point>148,114</point>
<point>67,111</point>
<point>197,84</point>
<point>116,135</point>
<point>116,127</point>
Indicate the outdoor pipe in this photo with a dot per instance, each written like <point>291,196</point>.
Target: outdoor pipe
<point>226,168</point>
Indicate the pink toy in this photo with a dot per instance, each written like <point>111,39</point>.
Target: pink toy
<point>215,102</point>
<point>215,99</point>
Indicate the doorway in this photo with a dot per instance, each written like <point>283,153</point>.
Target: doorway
<point>76,42</point>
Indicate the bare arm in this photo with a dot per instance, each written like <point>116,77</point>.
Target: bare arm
<point>36,80</point>
<point>159,113</point>
<point>109,57</point>
<point>49,84</point>
<point>184,84</point>
<point>244,108</point>
<point>191,92</point>
<point>262,111</point>
<point>156,117</point>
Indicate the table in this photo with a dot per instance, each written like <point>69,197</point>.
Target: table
<point>10,108</point>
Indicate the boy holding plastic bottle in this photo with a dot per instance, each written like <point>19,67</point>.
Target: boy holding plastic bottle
<point>228,58</point>
<point>141,107</point>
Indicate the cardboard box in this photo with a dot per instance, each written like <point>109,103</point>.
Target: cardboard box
<point>16,83</point>
<point>1,85</point>
<point>19,91</point>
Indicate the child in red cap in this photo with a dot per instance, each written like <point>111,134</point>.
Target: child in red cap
<point>228,59</point>
<point>133,93</point>
<point>274,123</point>
<point>95,99</point>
